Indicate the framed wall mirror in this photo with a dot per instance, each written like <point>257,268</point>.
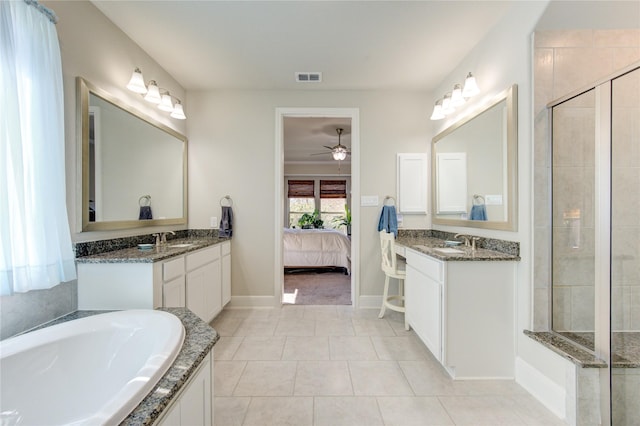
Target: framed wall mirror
<point>134,169</point>
<point>474,168</point>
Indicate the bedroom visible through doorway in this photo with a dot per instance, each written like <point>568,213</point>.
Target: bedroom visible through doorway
<point>316,238</point>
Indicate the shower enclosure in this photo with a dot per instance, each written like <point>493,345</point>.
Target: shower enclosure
<point>596,234</point>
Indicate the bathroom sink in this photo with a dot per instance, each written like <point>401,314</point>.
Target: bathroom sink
<point>181,245</point>
<point>452,243</point>
<point>448,250</point>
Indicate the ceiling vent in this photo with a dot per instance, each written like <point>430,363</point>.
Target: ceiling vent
<point>308,77</point>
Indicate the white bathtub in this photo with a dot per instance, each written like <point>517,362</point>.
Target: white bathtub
<point>89,371</point>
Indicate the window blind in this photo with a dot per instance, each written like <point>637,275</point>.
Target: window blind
<point>301,189</point>
<point>333,189</point>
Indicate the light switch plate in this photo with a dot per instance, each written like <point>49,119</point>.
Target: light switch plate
<point>369,200</point>
<point>213,222</point>
<point>493,200</point>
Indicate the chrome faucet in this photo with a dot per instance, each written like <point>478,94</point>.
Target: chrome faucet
<point>161,237</point>
<point>469,241</point>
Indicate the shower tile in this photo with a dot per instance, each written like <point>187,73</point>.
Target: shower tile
<point>541,309</point>
<point>583,308</point>
<point>542,258</point>
<point>562,308</point>
<point>616,38</point>
<point>570,38</point>
<point>543,69</point>
<point>575,68</point>
<point>623,56</point>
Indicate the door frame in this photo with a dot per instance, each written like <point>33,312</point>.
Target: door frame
<point>354,115</point>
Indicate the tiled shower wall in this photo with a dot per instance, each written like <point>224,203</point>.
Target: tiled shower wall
<point>565,61</point>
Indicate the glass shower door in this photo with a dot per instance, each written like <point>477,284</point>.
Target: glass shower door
<point>625,249</point>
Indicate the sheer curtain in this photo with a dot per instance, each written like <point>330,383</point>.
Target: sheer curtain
<point>35,243</point>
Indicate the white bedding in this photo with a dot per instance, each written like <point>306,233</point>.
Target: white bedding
<point>316,248</point>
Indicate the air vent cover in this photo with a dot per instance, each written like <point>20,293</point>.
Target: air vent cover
<point>308,77</point>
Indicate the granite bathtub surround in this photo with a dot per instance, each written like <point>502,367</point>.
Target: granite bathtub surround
<point>198,341</point>
<point>487,249</point>
<point>90,248</point>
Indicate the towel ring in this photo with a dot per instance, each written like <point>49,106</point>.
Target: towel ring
<point>144,201</point>
<point>478,200</point>
<point>226,201</point>
<point>387,198</point>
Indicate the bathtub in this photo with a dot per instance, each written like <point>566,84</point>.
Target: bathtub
<point>89,371</point>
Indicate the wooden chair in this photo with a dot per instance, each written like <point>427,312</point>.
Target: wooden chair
<point>392,268</point>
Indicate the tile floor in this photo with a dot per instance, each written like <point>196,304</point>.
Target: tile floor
<point>331,365</point>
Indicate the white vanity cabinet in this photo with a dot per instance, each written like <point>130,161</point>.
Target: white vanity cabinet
<point>193,405</point>
<point>199,280</point>
<point>463,311</point>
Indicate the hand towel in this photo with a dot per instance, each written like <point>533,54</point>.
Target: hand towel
<point>478,212</point>
<point>145,213</point>
<point>388,220</point>
<point>226,222</point>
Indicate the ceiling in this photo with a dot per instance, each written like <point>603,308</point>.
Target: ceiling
<point>260,45</point>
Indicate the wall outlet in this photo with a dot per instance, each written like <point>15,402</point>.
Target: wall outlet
<point>213,221</point>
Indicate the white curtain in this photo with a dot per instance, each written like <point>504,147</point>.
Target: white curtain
<point>35,243</point>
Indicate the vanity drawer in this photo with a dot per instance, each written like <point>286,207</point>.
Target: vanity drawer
<point>202,257</point>
<point>172,268</point>
<point>427,265</point>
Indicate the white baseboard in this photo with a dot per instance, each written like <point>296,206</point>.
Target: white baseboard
<point>253,302</point>
<point>369,302</point>
<point>545,390</point>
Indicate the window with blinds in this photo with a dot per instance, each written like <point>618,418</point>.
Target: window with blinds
<point>333,189</point>
<point>301,189</point>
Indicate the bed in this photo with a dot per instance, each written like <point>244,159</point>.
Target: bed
<point>316,248</point>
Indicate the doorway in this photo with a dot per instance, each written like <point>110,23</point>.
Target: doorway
<point>282,217</point>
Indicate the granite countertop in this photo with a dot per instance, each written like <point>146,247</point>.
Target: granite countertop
<point>198,340</point>
<point>427,245</point>
<point>156,254</point>
<point>563,347</point>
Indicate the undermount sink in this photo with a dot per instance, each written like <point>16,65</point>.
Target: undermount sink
<point>448,250</point>
<point>181,245</point>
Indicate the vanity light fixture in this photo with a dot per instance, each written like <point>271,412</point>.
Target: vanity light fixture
<point>136,84</point>
<point>178,112</point>
<point>455,98</point>
<point>152,93</point>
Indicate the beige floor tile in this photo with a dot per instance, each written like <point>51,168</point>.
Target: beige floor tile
<point>257,327</point>
<point>346,411</point>
<point>427,379</point>
<point>324,378</point>
<point>413,411</point>
<point>294,411</point>
<point>335,327</point>
<point>355,348</point>
<point>533,413</point>
<point>226,347</point>
<point>378,378</point>
<point>399,348</point>
<point>289,311</point>
<point>320,312</point>
<point>372,327</point>
<point>255,348</point>
<point>229,411</point>
<point>295,327</point>
<point>247,313</point>
<point>225,325</point>
<point>267,378</point>
<point>227,374</point>
<point>481,410</point>
<point>306,348</point>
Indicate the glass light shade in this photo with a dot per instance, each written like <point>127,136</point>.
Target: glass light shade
<point>339,154</point>
<point>456,96</point>
<point>136,83</point>
<point>437,113</point>
<point>447,108</point>
<point>470,86</point>
<point>178,112</point>
<point>153,93</point>
<point>166,104</point>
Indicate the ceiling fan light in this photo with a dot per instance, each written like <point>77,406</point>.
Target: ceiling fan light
<point>470,86</point>
<point>136,83</point>
<point>166,103</point>
<point>456,96</point>
<point>153,93</point>
<point>437,113</point>
<point>339,154</point>
<point>178,112</point>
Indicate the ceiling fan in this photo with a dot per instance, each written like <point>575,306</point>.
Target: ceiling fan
<point>339,151</point>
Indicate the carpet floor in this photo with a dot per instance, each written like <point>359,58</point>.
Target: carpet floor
<point>317,287</point>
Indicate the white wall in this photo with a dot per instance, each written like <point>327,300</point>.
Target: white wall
<point>232,151</point>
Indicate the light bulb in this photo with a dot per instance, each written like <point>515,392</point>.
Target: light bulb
<point>136,83</point>
<point>470,86</point>
<point>437,111</point>
<point>165,103</point>
<point>153,94</point>
<point>447,108</point>
<point>178,112</point>
<point>456,96</point>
